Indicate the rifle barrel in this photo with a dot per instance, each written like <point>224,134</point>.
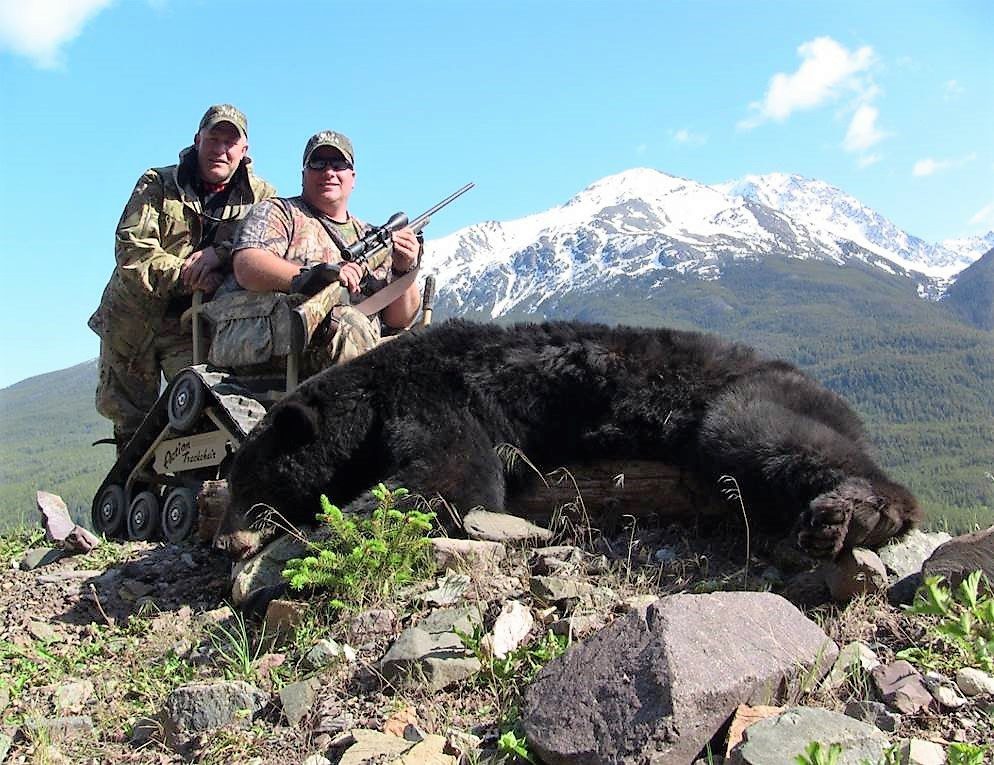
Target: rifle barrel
<point>422,219</point>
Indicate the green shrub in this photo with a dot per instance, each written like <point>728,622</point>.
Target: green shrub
<point>816,754</point>
<point>966,754</point>
<point>365,559</point>
<point>964,620</point>
<point>505,679</point>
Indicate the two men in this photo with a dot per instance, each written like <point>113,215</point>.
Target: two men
<point>174,237</point>
<point>281,236</point>
<point>183,228</point>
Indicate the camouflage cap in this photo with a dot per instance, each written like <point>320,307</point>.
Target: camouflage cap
<point>224,113</point>
<point>329,138</point>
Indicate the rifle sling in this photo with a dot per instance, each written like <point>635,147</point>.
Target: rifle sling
<point>380,300</point>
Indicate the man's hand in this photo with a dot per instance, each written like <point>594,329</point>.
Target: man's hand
<point>209,282</point>
<point>406,249</point>
<point>351,275</point>
<point>312,279</point>
<point>200,271</point>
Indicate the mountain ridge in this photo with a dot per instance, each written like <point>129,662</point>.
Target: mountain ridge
<point>644,221</point>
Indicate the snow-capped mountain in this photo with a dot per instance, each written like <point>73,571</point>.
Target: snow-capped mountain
<point>971,247</point>
<point>645,226</point>
<point>836,214</point>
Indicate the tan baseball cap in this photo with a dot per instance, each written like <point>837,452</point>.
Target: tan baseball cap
<point>329,138</point>
<point>224,113</point>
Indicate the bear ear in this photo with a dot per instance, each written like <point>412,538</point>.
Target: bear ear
<point>295,424</point>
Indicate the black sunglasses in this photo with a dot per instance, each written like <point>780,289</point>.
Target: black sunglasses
<point>336,164</point>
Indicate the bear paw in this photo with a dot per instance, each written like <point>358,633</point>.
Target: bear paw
<point>825,524</point>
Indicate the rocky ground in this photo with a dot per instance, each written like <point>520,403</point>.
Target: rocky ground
<point>133,652</point>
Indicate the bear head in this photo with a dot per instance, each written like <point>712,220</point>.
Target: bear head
<point>270,481</point>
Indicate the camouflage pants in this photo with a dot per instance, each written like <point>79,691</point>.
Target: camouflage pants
<point>352,336</point>
<point>129,386</point>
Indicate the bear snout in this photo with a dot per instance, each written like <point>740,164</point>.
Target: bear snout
<point>238,544</point>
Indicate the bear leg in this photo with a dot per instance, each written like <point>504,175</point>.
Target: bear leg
<point>802,474</point>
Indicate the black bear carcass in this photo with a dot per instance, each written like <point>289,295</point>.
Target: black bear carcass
<point>426,411</point>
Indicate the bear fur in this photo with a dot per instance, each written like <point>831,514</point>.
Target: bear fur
<point>426,411</point>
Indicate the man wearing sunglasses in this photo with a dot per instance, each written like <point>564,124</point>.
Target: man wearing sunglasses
<point>282,236</point>
<point>173,238</point>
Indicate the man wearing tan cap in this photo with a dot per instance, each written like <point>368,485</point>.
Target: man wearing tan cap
<point>173,238</point>
<point>282,236</point>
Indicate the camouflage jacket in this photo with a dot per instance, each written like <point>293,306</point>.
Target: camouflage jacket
<point>163,223</point>
<point>290,229</point>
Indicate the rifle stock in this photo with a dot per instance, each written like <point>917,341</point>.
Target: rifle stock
<point>305,318</point>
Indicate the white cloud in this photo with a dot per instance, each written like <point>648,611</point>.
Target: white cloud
<point>984,214</point>
<point>925,167</point>
<point>953,89</point>
<point>39,28</point>
<point>863,131</point>
<point>929,166</point>
<point>687,137</point>
<point>869,159</point>
<point>827,71</point>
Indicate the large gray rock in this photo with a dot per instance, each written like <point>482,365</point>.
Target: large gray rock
<point>431,653</point>
<point>265,569</point>
<point>656,685</point>
<point>905,556</point>
<point>779,740</point>
<point>855,572</point>
<point>200,707</point>
<point>298,698</point>
<point>963,555</point>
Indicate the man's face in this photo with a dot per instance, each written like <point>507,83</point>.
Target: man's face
<point>220,149</point>
<point>331,185</point>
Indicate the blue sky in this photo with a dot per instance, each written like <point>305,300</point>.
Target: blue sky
<point>890,101</point>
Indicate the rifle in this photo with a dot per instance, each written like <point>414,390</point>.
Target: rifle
<point>305,318</point>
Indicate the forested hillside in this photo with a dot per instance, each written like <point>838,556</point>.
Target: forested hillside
<point>47,424</point>
<point>971,296</point>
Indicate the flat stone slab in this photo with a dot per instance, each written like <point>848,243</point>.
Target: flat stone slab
<point>61,729</point>
<point>502,527</point>
<point>298,698</point>
<point>54,515</point>
<point>901,686</point>
<point>466,554</point>
<point>656,685</point>
<point>37,557</point>
<point>779,740</point>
